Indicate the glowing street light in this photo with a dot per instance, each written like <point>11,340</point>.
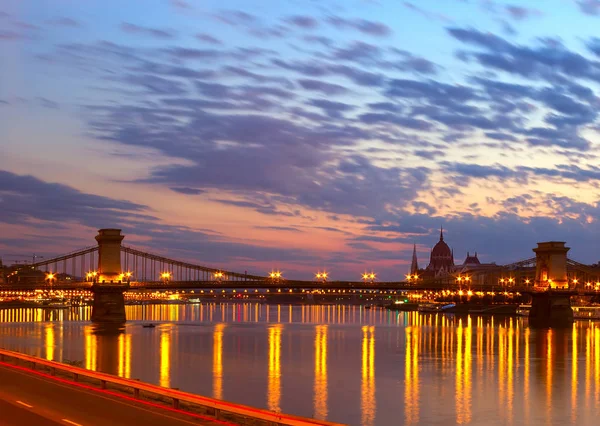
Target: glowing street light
<point>219,275</point>
<point>275,275</point>
<point>321,276</point>
<point>527,281</point>
<point>165,276</point>
<point>369,276</point>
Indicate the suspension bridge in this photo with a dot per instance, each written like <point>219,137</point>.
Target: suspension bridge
<point>110,268</point>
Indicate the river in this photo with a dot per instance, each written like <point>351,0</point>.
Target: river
<point>341,363</point>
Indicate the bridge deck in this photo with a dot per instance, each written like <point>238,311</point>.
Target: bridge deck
<point>301,285</point>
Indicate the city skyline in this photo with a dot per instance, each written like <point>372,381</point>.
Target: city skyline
<point>301,136</point>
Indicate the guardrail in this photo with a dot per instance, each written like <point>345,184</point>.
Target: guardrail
<point>220,410</point>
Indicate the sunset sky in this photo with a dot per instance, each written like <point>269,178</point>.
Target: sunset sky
<point>300,135</point>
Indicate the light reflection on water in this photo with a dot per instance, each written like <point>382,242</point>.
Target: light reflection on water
<point>340,363</point>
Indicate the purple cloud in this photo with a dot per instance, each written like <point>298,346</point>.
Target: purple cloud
<point>180,4</point>
<point>520,13</point>
<point>188,191</point>
<point>136,29</point>
<point>372,28</point>
<point>589,7</point>
<point>304,22</point>
<point>11,35</point>
<point>208,39</point>
<point>321,86</point>
<point>65,22</point>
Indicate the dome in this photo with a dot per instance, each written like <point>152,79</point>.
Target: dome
<point>441,249</point>
<point>442,258</point>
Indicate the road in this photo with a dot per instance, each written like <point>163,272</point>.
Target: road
<point>30,399</point>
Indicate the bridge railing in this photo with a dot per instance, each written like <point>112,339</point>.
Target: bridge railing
<point>223,410</point>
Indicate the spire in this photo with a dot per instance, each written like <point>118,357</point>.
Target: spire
<point>442,233</point>
<point>414,267</point>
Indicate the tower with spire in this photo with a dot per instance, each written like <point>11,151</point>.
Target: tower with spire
<point>414,266</point>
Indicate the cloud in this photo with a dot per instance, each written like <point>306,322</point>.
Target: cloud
<point>47,103</point>
<point>65,22</point>
<point>331,108</point>
<point>188,191</point>
<point>304,22</point>
<point>371,28</point>
<point>153,32</point>
<point>24,199</point>
<point>208,39</point>
<point>589,7</point>
<point>545,61</point>
<point>180,4</point>
<point>427,14</point>
<point>235,17</point>
<point>520,13</point>
<point>279,228</point>
<point>321,86</point>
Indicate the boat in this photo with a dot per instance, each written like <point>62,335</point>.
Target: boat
<point>58,305</point>
<point>431,307</point>
<point>148,325</point>
<point>403,306</point>
<point>523,310</point>
<point>591,312</point>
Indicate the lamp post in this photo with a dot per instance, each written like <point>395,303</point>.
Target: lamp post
<point>321,277</point>
<point>369,277</point>
<point>50,277</point>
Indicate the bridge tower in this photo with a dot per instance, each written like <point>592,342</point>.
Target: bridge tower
<point>551,299</point>
<point>110,283</point>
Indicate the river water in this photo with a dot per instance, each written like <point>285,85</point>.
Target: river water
<point>340,363</point>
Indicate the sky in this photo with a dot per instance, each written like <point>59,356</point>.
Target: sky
<point>300,135</point>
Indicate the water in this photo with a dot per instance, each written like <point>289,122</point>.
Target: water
<point>340,363</point>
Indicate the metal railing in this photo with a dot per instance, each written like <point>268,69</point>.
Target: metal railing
<point>220,410</point>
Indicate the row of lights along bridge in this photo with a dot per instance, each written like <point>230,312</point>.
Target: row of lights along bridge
<point>322,276</point>
<point>218,276</point>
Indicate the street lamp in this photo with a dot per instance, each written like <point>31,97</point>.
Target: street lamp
<point>275,275</point>
<point>369,277</point>
<point>219,275</point>
<point>166,276</point>
<point>321,276</point>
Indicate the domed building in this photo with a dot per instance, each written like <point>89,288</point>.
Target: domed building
<point>441,261</point>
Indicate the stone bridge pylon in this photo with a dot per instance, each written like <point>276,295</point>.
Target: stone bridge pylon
<point>551,300</point>
<point>109,283</point>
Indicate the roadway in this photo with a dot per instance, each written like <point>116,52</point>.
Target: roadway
<point>27,398</point>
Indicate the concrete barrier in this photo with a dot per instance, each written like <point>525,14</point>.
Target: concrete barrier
<point>219,409</point>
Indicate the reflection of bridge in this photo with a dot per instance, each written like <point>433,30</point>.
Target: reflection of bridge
<point>110,268</point>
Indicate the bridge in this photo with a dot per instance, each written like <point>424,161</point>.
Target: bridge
<point>109,269</point>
